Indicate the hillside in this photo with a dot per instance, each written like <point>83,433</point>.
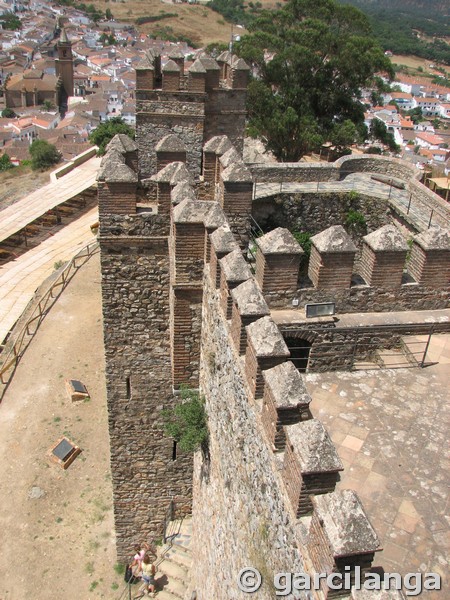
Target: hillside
<point>419,27</point>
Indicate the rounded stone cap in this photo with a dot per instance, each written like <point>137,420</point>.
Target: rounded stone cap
<point>218,144</point>
<point>176,53</point>
<point>114,170</point>
<point>287,386</point>
<point>313,447</point>
<point>197,67</point>
<point>249,299</point>
<point>345,524</point>
<point>237,173</point>
<point>266,338</point>
<point>434,238</point>
<point>234,267</point>
<point>171,67</point>
<point>222,240</point>
<point>170,143</point>
<point>122,143</point>
<point>387,239</point>
<point>173,173</point>
<point>209,63</point>
<point>334,239</point>
<point>279,241</point>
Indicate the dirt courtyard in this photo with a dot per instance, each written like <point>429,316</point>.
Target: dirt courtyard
<point>57,532</point>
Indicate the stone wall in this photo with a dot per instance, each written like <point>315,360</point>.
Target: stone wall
<point>135,291</point>
<point>239,516</point>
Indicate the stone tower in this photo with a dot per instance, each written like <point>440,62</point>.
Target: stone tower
<point>64,69</point>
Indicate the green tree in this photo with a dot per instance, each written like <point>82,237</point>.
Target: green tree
<point>5,163</point>
<point>378,131</point>
<point>10,21</point>
<point>105,132</point>
<point>186,423</point>
<point>321,55</point>
<point>43,155</point>
<point>108,14</point>
<point>48,105</point>
<point>8,113</point>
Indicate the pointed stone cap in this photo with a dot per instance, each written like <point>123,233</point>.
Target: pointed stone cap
<point>122,143</point>
<point>209,63</point>
<point>182,191</point>
<point>197,67</point>
<point>171,67</point>
<point>222,240</point>
<point>152,53</point>
<point>190,211</point>
<point>215,217</point>
<point>345,524</point>
<point>333,239</point>
<point>314,448</point>
<point>287,386</point>
<point>434,238</point>
<point>234,267</point>
<point>225,57</point>
<point>231,156</point>
<point>266,339</point>
<point>176,53</point>
<point>146,63</point>
<point>239,64</point>
<point>237,172</point>
<point>114,170</point>
<point>218,144</point>
<point>279,241</point>
<point>170,143</point>
<point>249,299</point>
<point>173,173</point>
<point>387,238</point>
<point>63,39</point>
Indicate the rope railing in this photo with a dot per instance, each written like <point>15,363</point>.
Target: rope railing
<point>10,360</point>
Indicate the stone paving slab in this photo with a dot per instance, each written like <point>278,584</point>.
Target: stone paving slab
<point>16,216</point>
<point>20,278</point>
<point>390,429</point>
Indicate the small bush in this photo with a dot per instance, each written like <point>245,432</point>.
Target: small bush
<point>5,163</point>
<point>186,423</point>
<point>43,155</point>
<point>355,219</point>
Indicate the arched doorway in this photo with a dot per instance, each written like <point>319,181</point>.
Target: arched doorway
<point>299,349</point>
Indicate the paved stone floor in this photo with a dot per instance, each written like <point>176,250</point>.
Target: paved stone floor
<point>391,428</point>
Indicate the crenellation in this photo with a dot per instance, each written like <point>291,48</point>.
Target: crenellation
<point>248,306</point>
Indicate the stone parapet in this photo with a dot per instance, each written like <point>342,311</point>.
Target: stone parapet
<point>169,149</point>
<point>285,402</point>
<point>311,464</point>
<point>233,271</point>
<point>383,257</point>
<point>266,348</point>
<point>235,197</point>
<point>248,306</point>
<point>278,258</point>
<point>117,184</point>
<point>340,536</point>
<point>222,242</point>
<point>429,262</point>
<point>332,257</point>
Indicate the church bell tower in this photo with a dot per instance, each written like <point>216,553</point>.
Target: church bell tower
<point>64,66</point>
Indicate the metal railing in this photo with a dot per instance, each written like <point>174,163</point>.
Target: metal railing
<point>10,360</point>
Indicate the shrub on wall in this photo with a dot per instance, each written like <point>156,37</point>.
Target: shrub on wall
<point>186,423</point>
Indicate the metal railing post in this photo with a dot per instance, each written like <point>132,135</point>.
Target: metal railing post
<point>422,364</point>
<point>431,217</point>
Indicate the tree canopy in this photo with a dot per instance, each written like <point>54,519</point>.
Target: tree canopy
<point>104,133</point>
<point>311,59</point>
<point>43,155</point>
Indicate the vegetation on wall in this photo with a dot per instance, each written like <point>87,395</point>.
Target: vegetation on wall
<point>308,93</point>
<point>186,423</point>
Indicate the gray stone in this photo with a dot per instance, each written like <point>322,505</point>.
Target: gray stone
<point>171,67</point>
<point>176,53</point>
<point>345,524</point>
<point>189,211</point>
<point>434,238</point>
<point>114,170</point>
<point>314,448</point>
<point>266,339</point>
<point>225,57</point>
<point>215,217</point>
<point>222,240</point>
<point>216,142</point>
<point>249,299</point>
<point>170,143</point>
<point>237,172</point>
<point>182,191</point>
<point>279,241</point>
<point>239,64</point>
<point>287,386</point>
<point>173,173</point>
<point>35,493</point>
<point>386,238</point>
<point>229,157</point>
<point>197,67</point>
<point>235,267</point>
<point>333,239</point>
<point>122,143</point>
<point>209,63</point>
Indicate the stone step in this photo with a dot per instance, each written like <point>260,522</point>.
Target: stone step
<point>173,570</point>
<point>180,556</point>
<point>174,587</point>
<point>166,595</point>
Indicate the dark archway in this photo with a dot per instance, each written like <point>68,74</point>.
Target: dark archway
<point>299,349</point>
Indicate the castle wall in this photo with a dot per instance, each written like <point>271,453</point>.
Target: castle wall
<point>225,115</point>
<point>241,515</point>
<point>135,291</point>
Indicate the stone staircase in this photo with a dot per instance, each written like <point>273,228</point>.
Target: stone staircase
<point>174,563</point>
